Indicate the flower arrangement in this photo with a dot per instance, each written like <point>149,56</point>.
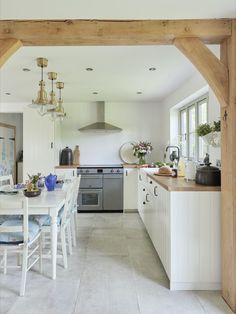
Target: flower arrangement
<point>32,183</point>
<point>141,149</point>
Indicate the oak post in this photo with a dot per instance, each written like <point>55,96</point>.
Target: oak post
<point>228,157</point>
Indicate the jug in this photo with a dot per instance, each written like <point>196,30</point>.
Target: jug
<point>50,182</point>
<point>190,170</point>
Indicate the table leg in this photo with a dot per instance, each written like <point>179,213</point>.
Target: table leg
<point>54,245</point>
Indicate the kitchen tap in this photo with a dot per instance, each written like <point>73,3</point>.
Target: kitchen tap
<point>173,155</point>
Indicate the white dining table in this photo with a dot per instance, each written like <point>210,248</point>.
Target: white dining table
<point>48,203</point>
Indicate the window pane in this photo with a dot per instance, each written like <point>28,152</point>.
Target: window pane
<point>183,133</point>
<point>183,146</point>
<point>192,119</point>
<point>203,149</point>
<point>202,112</point>
<point>192,145</point>
<point>183,122</point>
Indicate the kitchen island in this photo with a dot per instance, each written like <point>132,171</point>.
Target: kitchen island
<point>183,222</point>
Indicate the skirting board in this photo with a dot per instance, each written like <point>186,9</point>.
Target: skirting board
<point>195,286</point>
<point>130,210</point>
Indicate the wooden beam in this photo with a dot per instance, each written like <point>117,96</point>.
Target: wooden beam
<point>228,157</point>
<point>7,48</point>
<point>211,68</point>
<point>113,32</point>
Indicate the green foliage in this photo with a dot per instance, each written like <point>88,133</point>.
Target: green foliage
<point>216,126</point>
<point>205,128</point>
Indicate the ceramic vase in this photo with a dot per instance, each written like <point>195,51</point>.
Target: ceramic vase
<point>76,155</point>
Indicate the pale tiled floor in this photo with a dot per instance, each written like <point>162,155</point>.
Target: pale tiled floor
<point>113,270</point>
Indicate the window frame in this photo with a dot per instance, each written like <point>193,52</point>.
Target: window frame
<point>196,103</point>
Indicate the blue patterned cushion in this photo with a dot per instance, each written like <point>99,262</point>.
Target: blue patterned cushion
<point>17,237</point>
<point>45,220</point>
<point>8,217</point>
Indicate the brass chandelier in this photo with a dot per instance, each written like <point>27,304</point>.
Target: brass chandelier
<point>41,103</point>
<point>58,112</point>
<point>44,105</point>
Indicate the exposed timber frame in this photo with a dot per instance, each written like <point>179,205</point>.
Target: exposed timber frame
<point>190,37</point>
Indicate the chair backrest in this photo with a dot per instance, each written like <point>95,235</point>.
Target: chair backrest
<point>75,192</point>
<point>68,202</point>
<point>6,181</point>
<point>15,205</point>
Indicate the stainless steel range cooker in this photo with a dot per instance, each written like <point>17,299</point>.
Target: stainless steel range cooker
<point>101,188</point>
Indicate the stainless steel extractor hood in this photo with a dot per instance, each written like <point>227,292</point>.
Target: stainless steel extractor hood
<point>100,125</point>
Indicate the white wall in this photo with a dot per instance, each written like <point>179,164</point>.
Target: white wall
<point>191,89</point>
<point>139,121</point>
<point>15,119</point>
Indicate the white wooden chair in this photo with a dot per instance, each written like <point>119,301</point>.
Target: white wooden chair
<point>74,228</point>
<point>63,223</point>
<point>19,236</point>
<point>5,183</point>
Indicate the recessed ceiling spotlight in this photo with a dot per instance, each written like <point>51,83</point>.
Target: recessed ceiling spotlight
<point>139,93</point>
<point>89,69</point>
<point>26,70</point>
<point>95,93</point>
<point>152,69</point>
<point>8,94</point>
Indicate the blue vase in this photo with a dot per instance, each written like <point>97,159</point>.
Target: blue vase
<point>50,182</point>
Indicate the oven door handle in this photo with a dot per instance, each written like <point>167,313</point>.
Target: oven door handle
<point>91,176</point>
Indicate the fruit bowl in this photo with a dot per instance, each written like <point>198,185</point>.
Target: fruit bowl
<point>32,193</point>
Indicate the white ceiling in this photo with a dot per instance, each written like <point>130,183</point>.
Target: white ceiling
<point>119,72</point>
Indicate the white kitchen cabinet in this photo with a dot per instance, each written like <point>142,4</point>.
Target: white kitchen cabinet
<point>38,143</point>
<point>66,173</point>
<point>184,227</point>
<point>130,189</point>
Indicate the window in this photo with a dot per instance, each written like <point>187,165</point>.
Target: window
<point>190,116</point>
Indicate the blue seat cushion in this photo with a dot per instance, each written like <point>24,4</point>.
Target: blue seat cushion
<point>45,220</point>
<point>18,237</point>
<point>8,217</point>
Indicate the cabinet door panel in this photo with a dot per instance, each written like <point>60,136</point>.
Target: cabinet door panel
<point>38,143</point>
<point>130,188</point>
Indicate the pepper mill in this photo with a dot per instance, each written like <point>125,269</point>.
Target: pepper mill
<point>76,155</point>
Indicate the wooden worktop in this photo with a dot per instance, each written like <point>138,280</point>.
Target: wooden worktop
<point>180,184</point>
<point>67,167</point>
<point>135,166</point>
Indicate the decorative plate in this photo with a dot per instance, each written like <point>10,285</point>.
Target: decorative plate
<point>126,153</point>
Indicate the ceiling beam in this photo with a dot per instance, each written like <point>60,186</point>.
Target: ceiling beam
<point>113,32</point>
<point>212,69</point>
<point>7,48</point>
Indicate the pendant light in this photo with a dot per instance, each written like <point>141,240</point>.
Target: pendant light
<point>41,103</point>
<point>58,112</point>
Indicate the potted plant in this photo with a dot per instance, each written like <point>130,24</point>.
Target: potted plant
<point>141,149</point>
<point>210,133</point>
<point>32,186</point>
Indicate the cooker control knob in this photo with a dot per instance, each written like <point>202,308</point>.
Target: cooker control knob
<point>118,171</point>
<point>87,171</point>
<point>112,170</point>
<point>81,171</point>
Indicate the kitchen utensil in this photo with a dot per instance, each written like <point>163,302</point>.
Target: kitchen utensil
<point>208,175</point>
<point>66,157</point>
<point>50,182</point>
